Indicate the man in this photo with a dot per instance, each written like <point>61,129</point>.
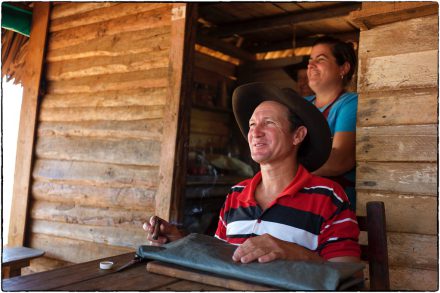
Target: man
<point>283,212</point>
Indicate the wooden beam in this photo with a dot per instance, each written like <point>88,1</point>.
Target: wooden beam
<point>378,13</point>
<point>301,42</point>
<point>224,47</point>
<point>172,173</point>
<point>28,117</point>
<point>256,25</point>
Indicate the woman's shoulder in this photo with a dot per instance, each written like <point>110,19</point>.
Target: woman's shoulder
<point>348,99</point>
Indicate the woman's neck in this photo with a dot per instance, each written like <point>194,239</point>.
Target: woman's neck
<point>326,96</point>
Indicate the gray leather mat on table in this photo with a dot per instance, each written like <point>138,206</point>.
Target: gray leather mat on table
<point>212,255</point>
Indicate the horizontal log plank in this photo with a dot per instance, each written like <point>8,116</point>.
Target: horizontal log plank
<point>402,210</point>
<point>105,196</point>
<point>397,143</point>
<point>414,279</point>
<point>126,151</point>
<point>154,78</point>
<point>413,250</point>
<point>73,250</point>
<point>413,35</point>
<point>134,97</point>
<point>67,9</point>
<point>412,178</point>
<point>101,65</point>
<point>150,129</point>
<point>143,41</point>
<point>409,70</point>
<point>99,174</point>
<point>102,14</point>
<point>127,237</point>
<point>213,64</point>
<point>127,113</point>
<point>144,20</point>
<point>398,107</point>
<point>86,214</point>
<point>409,250</point>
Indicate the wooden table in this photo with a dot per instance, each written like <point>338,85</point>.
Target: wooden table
<point>15,258</point>
<point>88,277</point>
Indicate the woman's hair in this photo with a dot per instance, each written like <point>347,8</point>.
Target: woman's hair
<point>342,51</point>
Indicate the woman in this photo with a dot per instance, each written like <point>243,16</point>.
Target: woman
<point>331,67</point>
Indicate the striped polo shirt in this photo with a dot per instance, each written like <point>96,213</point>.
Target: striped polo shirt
<point>311,211</point>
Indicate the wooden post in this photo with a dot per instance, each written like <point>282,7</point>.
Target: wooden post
<point>28,118</point>
<point>172,173</point>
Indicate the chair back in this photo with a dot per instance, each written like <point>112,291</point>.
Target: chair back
<point>376,252</point>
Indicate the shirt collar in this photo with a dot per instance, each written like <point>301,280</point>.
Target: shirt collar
<point>248,193</point>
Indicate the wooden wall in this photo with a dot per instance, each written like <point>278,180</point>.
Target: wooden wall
<point>100,128</point>
<point>397,143</point>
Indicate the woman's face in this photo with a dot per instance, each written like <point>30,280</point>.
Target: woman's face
<point>323,71</point>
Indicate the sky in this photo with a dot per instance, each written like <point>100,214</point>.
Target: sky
<point>11,97</point>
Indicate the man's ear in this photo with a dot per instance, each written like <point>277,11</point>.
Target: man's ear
<point>299,135</point>
<point>345,68</point>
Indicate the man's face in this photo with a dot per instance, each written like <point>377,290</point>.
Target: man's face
<point>323,71</point>
<point>270,139</point>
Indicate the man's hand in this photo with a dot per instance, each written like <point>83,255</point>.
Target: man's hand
<point>160,231</point>
<point>266,248</point>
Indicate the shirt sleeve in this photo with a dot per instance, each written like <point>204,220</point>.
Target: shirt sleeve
<point>221,226</point>
<point>346,117</point>
<point>340,233</point>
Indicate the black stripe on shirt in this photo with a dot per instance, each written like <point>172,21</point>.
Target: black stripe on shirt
<point>321,247</point>
<point>278,214</point>
<point>326,192</point>
<point>295,218</point>
<point>242,235</point>
<point>242,214</point>
<point>237,189</point>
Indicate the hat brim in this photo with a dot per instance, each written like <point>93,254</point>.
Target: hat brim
<point>318,147</point>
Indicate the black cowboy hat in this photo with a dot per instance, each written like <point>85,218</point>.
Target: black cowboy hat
<point>317,145</point>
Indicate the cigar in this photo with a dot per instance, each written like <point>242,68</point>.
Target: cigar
<point>156,228</point>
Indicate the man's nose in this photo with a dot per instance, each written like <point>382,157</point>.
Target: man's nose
<point>257,130</point>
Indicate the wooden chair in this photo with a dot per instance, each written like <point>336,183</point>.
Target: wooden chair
<point>376,252</point>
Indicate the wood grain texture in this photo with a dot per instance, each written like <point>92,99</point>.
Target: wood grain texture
<point>412,178</point>
<point>150,19</point>
<point>418,280</point>
<point>398,107</point>
<point>413,206</point>
<point>408,70</point>
<point>68,9</point>
<point>114,236</point>
<point>150,129</point>
<point>101,14</point>
<point>107,196</point>
<point>133,97</point>
<point>154,78</point>
<point>72,213</point>
<point>175,118</point>
<point>123,113</point>
<point>101,65</point>
<point>27,126</point>
<point>142,41</point>
<point>397,143</point>
<point>72,250</point>
<point>136,152</point>
<point>413,35</point>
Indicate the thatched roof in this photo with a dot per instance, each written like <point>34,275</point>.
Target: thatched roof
<point>14,50</point>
